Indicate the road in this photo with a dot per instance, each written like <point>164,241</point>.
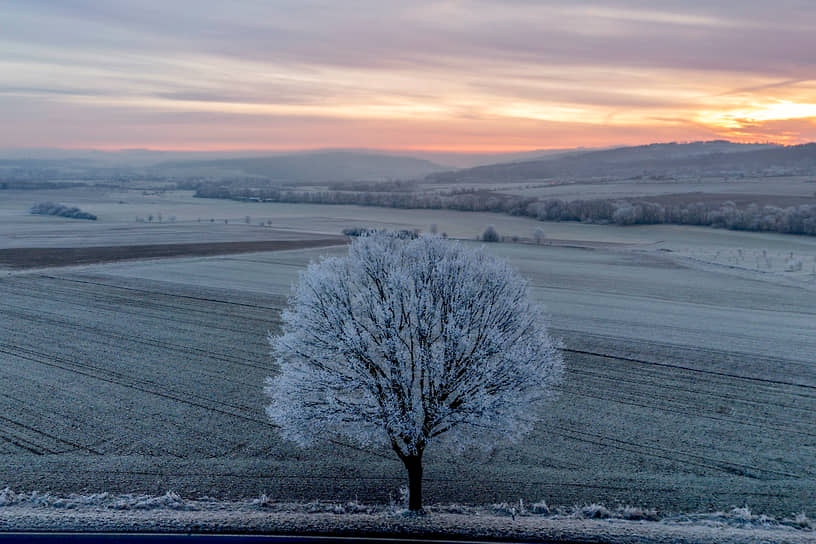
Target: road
<point>174,538</point>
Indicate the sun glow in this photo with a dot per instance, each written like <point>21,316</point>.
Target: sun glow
<point>779,111</point>
<point>760,121</point>
<point>436,75</point>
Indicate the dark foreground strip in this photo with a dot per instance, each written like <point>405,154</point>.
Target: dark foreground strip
<point>100,538</point>
<point>36,257</point>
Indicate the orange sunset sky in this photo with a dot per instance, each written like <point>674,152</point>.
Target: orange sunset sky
<point>463,76</point>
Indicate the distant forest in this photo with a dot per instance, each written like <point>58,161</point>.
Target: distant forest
<point>799,219</point>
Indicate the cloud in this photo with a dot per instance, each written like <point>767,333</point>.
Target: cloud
<point>609,68</point>
<point>44,91</point>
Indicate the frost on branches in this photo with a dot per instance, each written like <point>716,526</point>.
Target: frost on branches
<point>404,341</point>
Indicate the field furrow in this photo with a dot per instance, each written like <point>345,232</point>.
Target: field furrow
<point>137,380</point>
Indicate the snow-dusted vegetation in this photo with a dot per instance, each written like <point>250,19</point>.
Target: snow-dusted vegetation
<point>516,520</point>
<point>61,210</point>
<point>407,342</point>
<point>704,210</point>
<point>783,264</point>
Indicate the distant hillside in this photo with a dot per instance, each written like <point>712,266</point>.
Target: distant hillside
<point>470,160</point>
<point>319,167</point>
<point>139,158</point>
<point>656,160</point>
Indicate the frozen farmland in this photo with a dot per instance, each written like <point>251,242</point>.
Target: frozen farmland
<point>687,387</point>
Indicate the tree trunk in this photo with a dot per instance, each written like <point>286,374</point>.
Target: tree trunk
<point>414,465</point>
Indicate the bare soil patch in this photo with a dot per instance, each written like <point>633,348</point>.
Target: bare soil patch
<point>37,257</point>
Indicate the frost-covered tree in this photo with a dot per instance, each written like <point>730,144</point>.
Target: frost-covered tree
<point>407,341</point>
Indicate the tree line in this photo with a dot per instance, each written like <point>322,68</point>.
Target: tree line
<point>799,219</point>
<point>60,210</point>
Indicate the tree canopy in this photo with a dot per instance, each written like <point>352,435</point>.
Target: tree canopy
<point>406,340</point>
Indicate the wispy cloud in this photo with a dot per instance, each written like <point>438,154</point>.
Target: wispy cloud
<point>476,73</point>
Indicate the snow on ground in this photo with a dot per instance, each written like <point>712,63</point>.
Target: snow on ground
<point>158,366</point>
<point>164,369</point>
<point>170,513</point>
<point>785,267</point>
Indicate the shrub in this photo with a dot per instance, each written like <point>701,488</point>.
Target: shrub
<point>490,234</point>
<point>801,520</point>
<point>592,511</point>
<point>356,231</point>
<point>540,507</point>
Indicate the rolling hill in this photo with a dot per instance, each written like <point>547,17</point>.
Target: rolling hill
<point>655,160</point>
<point>317,167</point>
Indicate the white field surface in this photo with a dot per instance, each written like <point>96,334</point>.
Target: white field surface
<point>690,384</point>
<point>638,294</point>
<point>780,186</point>
<point>117,223</point>
<point>118,209</point>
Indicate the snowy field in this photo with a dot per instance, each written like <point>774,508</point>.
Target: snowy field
<point>690,385</point>
<point>180,213</point>
<point>185,218</point>
<point>780,186</point>
<point>697,392</point>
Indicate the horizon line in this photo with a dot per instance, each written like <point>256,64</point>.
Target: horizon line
<point>487,150</point>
